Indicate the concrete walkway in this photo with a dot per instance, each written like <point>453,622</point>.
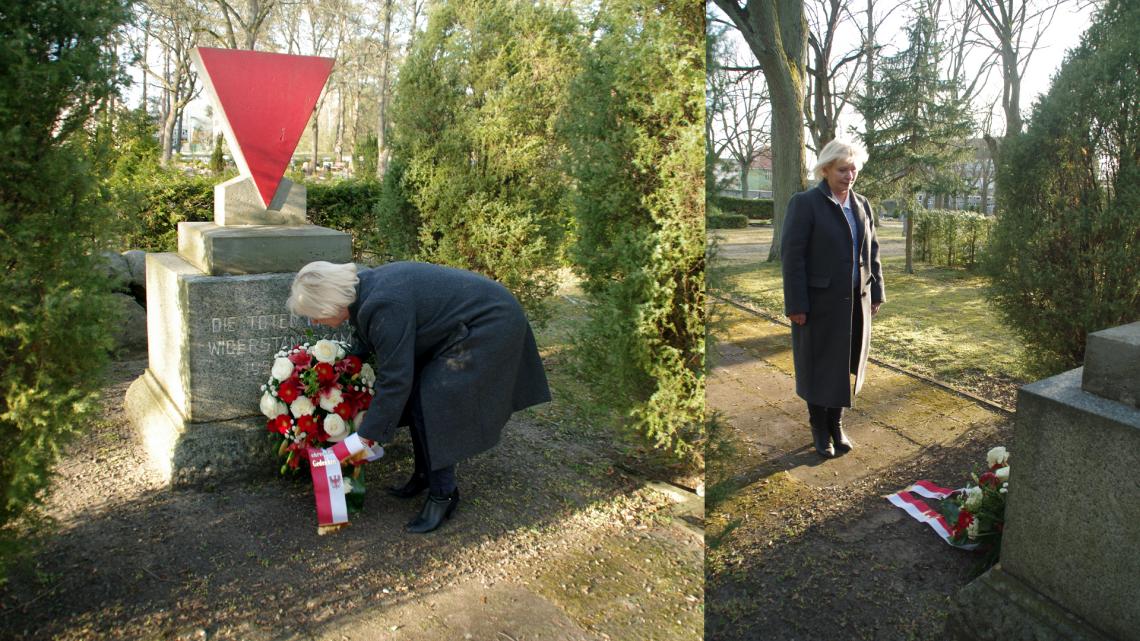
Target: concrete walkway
<point>896,416</point>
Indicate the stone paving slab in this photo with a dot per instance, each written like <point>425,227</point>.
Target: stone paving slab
<point>895,417</point>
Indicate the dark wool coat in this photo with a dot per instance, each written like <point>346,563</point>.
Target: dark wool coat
<point>815,250</point>
<point>458,341</point>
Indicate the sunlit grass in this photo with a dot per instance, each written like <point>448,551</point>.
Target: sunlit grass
<point>936,321</point>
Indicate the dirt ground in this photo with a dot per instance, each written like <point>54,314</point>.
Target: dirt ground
<point>551,541</point>
<point>805,549</point>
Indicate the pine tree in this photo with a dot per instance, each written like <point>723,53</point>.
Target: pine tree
<point>636,136</point>
<point>55,69</point>
<point>917,128</point>
<point>473,120</point>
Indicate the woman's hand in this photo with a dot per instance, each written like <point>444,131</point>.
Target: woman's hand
<point>798,319</point>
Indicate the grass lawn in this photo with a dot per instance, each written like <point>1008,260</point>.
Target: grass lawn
<point>936,321</point>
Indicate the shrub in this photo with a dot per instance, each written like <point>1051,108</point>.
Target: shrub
<point>473,120</point>
<point>950,238</point>
<point>757,209</point>
<point>727,221</point>
<point>635,130</point>
<point>57,311</point>
<point>1065,255</point>
<point>347,205</point>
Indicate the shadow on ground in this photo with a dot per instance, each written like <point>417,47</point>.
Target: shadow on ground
<point>543,515</point>
<point>805,549</point>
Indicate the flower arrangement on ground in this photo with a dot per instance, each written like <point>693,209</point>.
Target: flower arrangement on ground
<point>315,397</point>
<point>970,518</point>
<point>978,510</point>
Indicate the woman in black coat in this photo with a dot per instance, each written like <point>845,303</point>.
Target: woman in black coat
<point>833,285</point>
<point>455,357</point>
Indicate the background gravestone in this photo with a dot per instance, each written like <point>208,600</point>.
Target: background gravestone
<point>1069,567</point>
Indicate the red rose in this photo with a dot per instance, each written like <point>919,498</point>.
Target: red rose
<point>965,518</point>
<point>300,359</point>
<point>344,410</point>
<point>282,423</point>
<point>325,373</point>
<point>990,479</point>
<point>350,365</point>
<point>288,392</point>
<point>307,424</point>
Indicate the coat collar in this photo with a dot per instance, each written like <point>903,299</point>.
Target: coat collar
<point>856,208</point>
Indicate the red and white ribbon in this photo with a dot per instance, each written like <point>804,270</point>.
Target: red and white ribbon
<point>353,445</point>
<point>328,487</point>
<point>923,513</point>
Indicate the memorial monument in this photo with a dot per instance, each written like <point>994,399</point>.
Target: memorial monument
<point>1069,565</point>
<point>216,310</point>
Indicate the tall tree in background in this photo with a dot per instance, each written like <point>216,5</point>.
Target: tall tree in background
<point>55,321</point>
<point>1065,253</point>
<point>636,135</point>
<point>177,27</point>
<point>832,78</point>
<point>776,32</point>
<point>1013,29</point>
<point>244,22</point>
<point>916,125</point>
<point>744,122</point>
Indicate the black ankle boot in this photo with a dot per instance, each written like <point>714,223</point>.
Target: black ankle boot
<point>435,511</point>
<point>843,444</point>
<point>821,438</point>
<point>418,483</point>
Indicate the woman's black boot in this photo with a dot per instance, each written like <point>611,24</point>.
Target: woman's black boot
<point>821,438</point>
<point>843,444</point>
<point>418,483</point>
<point>435,511</point>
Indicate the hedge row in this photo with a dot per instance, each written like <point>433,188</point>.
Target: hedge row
<point>951,238</point>
<point>727,221</point>
<point>151,217</point>
<point>758,208</point>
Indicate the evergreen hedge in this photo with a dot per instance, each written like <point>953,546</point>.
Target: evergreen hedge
<point>727,221</point>
<point>756,209</point>
<point>1065,254</point>
<point>57,311</point>
<point>950,238</point>
<point>636,136</point>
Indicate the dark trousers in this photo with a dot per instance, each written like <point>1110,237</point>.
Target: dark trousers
<point>441,482</point>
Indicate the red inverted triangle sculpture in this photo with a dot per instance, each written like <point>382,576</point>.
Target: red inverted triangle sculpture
<point>265,100</point>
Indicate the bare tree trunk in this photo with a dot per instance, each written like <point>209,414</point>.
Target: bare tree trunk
<point>908,230</point>
<point>382,124</point>
<point>145,52</point>
<point>316,134</point>
<point>743,179</point>
<point>776,32</point>
<point>168,125</point>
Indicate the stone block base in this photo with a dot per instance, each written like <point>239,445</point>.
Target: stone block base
<point>237,202</point>
<point>999,607</point>
<point>195,454</point>
<point>219,251</point>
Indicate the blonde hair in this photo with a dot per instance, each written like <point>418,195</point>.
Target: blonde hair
<point>322,289</point>
<point>837,150</point>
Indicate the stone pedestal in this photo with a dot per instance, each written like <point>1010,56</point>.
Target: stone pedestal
<point>1070,566</point>
<point>236,202</point>
<point>213,326</point>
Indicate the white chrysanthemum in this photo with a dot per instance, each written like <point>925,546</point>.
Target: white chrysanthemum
<point>271,407</point>
<point>336,428</point>
<point>997,456</point>
<point>330,398</point>
<point>973,498</point>
<point>972,529</point>
<point>325,351</point>
<point>367,374</point>
<point>347,484</point>
<point>302,407</point>
<point>282,368</point>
